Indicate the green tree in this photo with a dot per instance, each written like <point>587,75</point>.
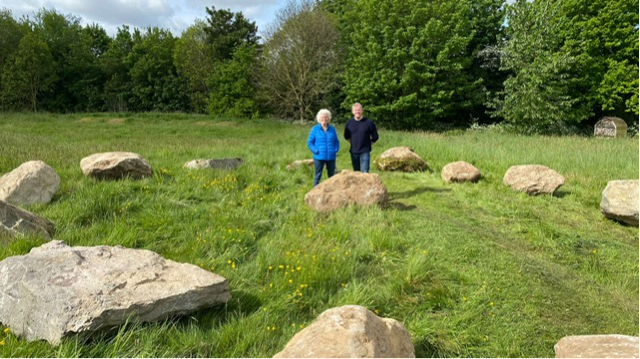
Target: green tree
<point>232,44</point>
<point>227,30</point>
<point>117,87</point>
<point>11,32</point>
<point>300,61</point>
<point>408,61</point>
<point>194,62</point>
<point>570,61</point>
<point>29,73</point>
<point>232,89</point>
<point>155,85</point>
<point>540,93</point>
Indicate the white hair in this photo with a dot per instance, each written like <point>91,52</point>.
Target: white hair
<point>356,104</point>
<point>323,112</point>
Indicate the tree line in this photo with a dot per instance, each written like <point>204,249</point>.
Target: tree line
<point>413,64</point>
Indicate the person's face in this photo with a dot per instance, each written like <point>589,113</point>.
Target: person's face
<point>324,120</point>
<point>357,112</point>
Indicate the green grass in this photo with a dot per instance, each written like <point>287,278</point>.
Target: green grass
<point>472,270</point>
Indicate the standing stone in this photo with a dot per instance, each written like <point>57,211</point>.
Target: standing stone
<point>56,290</point>
<point>345,189</point>
<point>17,221</point>
<point>115,165</point>
<point>620,201</point>
<point>460,171</point>
<point>533,179</point>
<point>32,182</point>
<point>350,331</point>
<point>597,346</point>
<point>223,163</point>
<point>400,159</point>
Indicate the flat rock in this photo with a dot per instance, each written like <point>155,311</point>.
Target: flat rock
<point>300,163</point>
<point>31,182</point>
<point>533,179</point>
<point>17,221</point>
<point>345,189</point>
<point>222,163</point>
<point>620,201</point>
<point>56,290</point>
<point>400,159</point>
<point>460,171</point>
<point>350,331</point>
<point>115,165</point>
<point>597,346</point>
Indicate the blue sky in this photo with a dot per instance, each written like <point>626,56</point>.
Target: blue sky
<point>175,15</point>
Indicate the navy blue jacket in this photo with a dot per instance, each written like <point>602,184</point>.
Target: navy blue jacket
<point>323,144</point>
<point>361,133</point>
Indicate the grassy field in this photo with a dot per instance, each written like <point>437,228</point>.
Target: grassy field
<point>472,270</point>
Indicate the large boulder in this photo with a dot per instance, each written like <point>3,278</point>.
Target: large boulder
<point>31,182</point>
<point>223,163</point>
<point>533,179</point>
<point>460,171</point>
<point>400,159</point>
<point>299,164</point>
<point>17,221</point>
<point>345,189</point>
<point>56,290</point>
<point>115,165</point>
<point>620,201</point>
<point>597,346</point>
<point>350,331</point>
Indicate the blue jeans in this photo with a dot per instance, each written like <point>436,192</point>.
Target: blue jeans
<point>319,165</point>
<point>360,161</point>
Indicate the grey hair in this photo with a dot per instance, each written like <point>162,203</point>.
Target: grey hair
<point>322,112</point>
<point>356,104</point>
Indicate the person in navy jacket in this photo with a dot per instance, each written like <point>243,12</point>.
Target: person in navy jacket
<point>361,133</point>
<point>324,144</point>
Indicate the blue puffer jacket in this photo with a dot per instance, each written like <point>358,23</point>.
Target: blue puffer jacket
<point>323,145</point>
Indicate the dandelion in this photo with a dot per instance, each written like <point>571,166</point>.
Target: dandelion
<point>6,330</point>
<point>594,251</point>
<point>464,299</point>
<point>2,342</point>
<point>290,281</point>
<point>343,285</point>
<point>424,252</point>
<point>233,265</point>
<point>270,285</point>
<point>298,268</point>
<point>377,311</point>
<point>491,304</point>
<point>281,266</point>
<point>270,267</point>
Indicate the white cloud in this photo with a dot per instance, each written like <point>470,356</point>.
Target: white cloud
<point>167,14</point>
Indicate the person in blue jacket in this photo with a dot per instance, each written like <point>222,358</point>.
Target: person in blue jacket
<point>324,144</point>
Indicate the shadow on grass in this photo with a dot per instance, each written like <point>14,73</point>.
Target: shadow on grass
<point>415,192</point>
<point>241,305</point>
<point>401,206</point>
<point>425,349</point>
<point>561,193</point>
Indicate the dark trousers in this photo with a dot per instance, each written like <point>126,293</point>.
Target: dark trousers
<point>319,165</point>
<point>360,161</point>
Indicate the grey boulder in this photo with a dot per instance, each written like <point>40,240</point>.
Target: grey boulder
<point>597,346</point>
<point>533,179</point>
<point>115,165</point>
<point>350,331</point>
<point>56,290</point>
<point>17,221</point>
<point>31,182</point>
<point>620,201</point>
